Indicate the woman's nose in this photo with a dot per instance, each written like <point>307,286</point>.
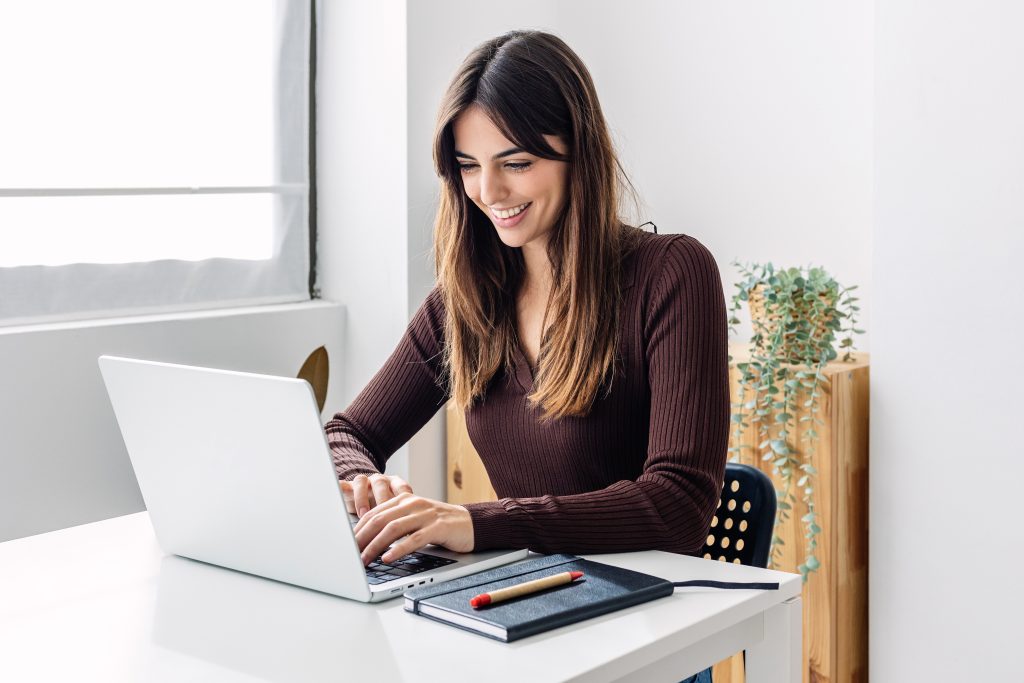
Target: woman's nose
<point>492,188</point>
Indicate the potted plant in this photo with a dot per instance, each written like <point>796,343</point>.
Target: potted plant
<point>796,314</point>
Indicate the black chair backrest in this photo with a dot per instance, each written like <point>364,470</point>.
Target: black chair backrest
<point>741,530</point>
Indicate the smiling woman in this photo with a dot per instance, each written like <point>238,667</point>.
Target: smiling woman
<point>524,107</point>
<point>590,357</point>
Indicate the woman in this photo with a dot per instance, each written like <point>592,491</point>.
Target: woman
<point>590,356</point>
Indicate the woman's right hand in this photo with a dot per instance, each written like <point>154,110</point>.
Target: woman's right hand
<point>363,493</point>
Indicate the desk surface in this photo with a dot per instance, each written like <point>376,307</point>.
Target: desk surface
<point>102,602</point>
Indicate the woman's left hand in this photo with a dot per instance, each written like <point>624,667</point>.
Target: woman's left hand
<point>420,520</point>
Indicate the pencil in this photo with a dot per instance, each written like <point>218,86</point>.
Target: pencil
<point>523,589</point>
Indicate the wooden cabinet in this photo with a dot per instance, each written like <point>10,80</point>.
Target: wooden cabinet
<point>835,598</point>
<point>467,478</point>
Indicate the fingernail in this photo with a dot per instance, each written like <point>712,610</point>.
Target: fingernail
<point>363,511</point>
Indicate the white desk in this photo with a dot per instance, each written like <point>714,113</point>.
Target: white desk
<point>101,602</point>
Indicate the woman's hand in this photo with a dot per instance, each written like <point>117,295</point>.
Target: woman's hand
<point>364,493</point>
<point>419,520</point>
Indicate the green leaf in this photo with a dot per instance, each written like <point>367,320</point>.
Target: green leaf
<point>812,563</point>
<point>802,480</point>
<point>779,446</point>
<point>809,517</point>
<point>815,528</point>
<point>784,505</point>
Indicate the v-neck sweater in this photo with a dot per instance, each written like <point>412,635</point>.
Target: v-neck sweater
<point>643,470</point>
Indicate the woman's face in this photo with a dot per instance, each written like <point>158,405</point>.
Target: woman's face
<point>521,193</point>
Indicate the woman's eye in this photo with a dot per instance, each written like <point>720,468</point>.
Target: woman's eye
<point>466,168</point>
<point>518,166</point>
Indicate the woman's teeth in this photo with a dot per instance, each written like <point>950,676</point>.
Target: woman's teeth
<point>508,213</point>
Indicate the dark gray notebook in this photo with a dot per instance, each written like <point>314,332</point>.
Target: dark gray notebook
<point>602,589</point>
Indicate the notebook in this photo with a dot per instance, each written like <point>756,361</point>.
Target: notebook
<point>602,589</point>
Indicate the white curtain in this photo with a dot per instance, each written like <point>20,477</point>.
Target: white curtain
<point>154,156</point>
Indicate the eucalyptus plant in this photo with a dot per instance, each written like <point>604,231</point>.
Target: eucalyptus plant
<point>804,309</point>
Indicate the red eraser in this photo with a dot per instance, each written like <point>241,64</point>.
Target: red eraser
<point>480,600</point>
<point>576,575</point>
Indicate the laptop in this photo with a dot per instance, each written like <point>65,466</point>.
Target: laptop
<point>235,471</point>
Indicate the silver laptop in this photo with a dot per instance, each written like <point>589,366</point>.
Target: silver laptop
<point>235,471</point>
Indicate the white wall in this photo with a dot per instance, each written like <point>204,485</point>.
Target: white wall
<point>946,462</point>
<point>747,125</point>
<point>62,460</point>
<point>367,250</point>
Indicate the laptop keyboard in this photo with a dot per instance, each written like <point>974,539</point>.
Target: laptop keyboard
<point>379,571</point>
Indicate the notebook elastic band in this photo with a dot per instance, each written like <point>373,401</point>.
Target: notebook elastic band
<point>728,584</point>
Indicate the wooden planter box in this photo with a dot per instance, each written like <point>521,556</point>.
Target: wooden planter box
<point>835,598</point>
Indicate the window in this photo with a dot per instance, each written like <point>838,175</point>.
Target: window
<point>153,156</point>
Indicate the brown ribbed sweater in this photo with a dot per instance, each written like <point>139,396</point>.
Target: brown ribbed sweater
<point>642,471</point>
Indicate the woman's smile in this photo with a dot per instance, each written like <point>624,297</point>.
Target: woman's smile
<point>509,218</point>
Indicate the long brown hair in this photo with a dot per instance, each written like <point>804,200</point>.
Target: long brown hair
<point>531,84</point>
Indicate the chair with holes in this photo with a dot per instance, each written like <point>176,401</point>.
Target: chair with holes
<point>741,530</point>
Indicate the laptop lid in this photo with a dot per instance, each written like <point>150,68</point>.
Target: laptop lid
<point>235,471</point>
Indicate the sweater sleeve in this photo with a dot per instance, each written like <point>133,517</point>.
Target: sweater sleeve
<point>670,504</point>
<point>403,395</point>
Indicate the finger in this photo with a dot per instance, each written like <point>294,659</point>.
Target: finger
<point>391,532</point>
<point>346,491</point>
<point>410,544</point>
<point>381,488</point>
<point>375,525</point>
<point>360,494</point>
<point>399,485</point>
<point>382,509</point>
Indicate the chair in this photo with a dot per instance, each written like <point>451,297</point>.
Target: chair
<point>741,530</point>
